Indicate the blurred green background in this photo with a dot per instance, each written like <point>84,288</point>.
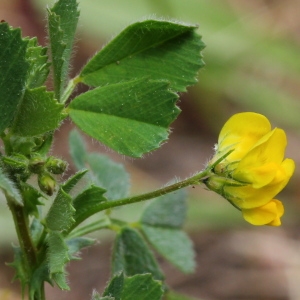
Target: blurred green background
<point>252,58</point>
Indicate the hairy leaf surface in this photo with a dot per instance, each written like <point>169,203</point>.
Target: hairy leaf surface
<point>131,117</point>
<point>13,72</point>
<point>38,113</point>
<point>154,48</point>
<point>62,23</point>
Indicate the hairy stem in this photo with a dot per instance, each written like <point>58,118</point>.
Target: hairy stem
<point>160,192</point>
<point>69,89</point>
<point>196,179</point>
<point>23,233</point>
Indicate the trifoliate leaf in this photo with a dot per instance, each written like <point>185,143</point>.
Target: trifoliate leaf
<point>87,203</point>
<point>131,117</point>
<point>13,72</point>
<point>131,255</point>
<point>38,64</point>
<point>154,48</point>
<point>166,211</point>
<point>38,113</point>
<point>62,19</point>
<point>174,245</point>
<point>61,212</point>
<point>109,175</point>
<point>10,189</point>
<point>138,287</point>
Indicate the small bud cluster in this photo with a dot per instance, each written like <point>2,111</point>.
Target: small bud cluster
<point>22,166</point>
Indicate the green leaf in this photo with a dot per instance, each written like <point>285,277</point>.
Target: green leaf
<point>132,117</point>
<point>115,287</point>
<point>109,175</point>
<point>77,149</point>
<point>20,267</point>
<point>87,203</point>
<point>39,66</point>
<point>174,245</point>
<point>57,252</point>
<point>161,223</point>
<point>61,212</point>
<point>62,19</point>
<point>38,113</point>
<point>158,49</point>
<point>73,180</point>
<point>9,188</point>
<point>57,257</point>
<point>36,230</point>
<point>61,280</point>
<point>131,255</point>
<point>138,287</point>
<point>166,211</point>
<point>22,145</point>
<point>39,276</point>
<point>104,172</point>
<point>76,244</point>
<point>13,72</point>
<point>31,199</point>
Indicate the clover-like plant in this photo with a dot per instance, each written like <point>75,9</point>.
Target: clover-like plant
<point>134,83</point>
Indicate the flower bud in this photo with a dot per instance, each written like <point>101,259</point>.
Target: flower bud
<point>46,183</point>
<point>36,163</point>
<point>16,161</point>
<point>55,165</point>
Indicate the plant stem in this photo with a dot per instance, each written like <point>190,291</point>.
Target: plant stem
<point>196,179</point>
<point>160,192</point>
<point>22,229</point>
<point>97,225</point>
<point>69,89</point>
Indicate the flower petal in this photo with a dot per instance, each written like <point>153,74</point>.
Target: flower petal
<point>268,214</point>
<point>246,197</point>
<point>286,170</point>
<point>260,164</point>
<point>241,132</point>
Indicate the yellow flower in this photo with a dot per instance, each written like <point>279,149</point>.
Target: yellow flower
<point>255,171</point>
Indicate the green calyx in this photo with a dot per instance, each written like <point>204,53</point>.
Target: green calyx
<point>55,165</point>
<point>36,164</point>
<point>46,183</point>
